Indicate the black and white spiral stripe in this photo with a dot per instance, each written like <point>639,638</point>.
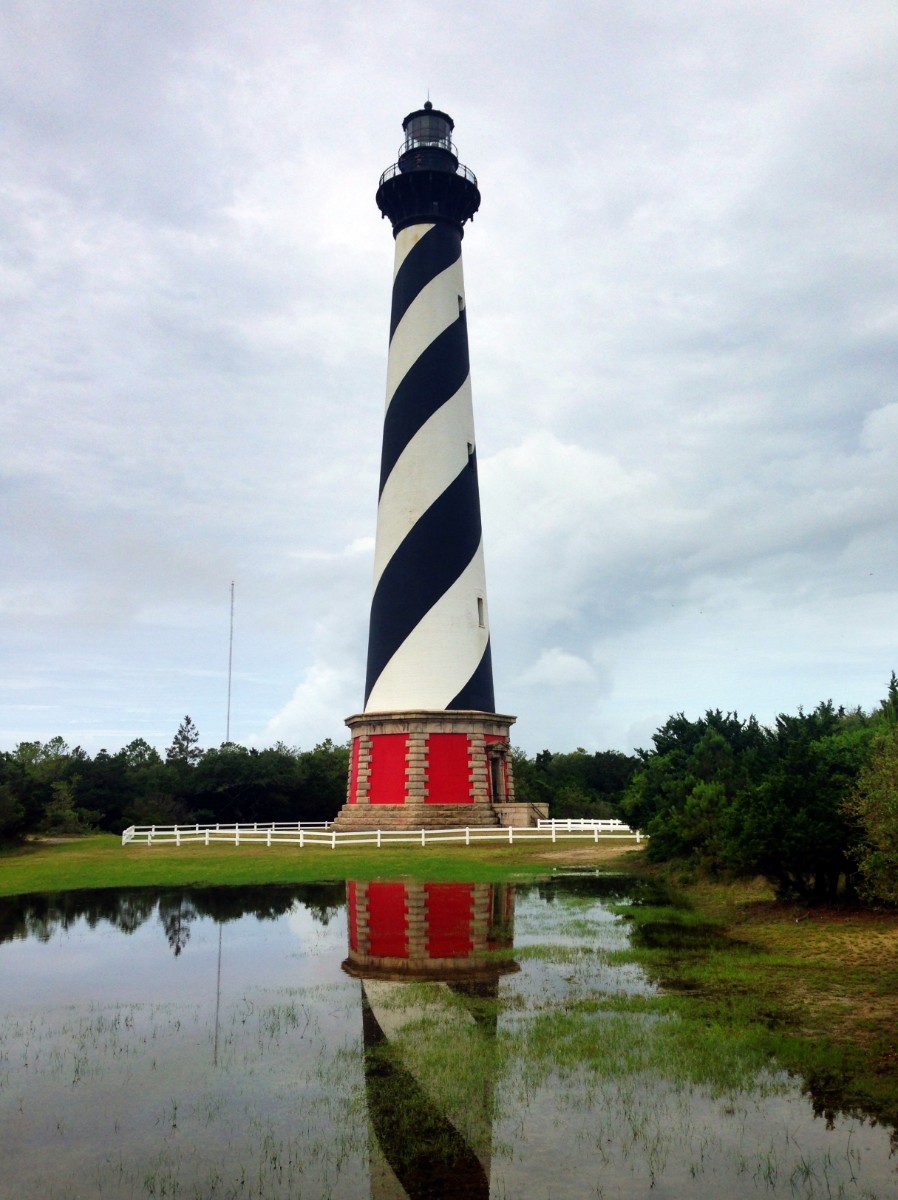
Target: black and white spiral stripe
<point>428,644</point>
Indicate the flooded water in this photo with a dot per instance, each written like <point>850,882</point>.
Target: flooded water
<point>381,1040</point>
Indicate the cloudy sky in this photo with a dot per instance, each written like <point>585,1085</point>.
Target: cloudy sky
<point>683,314</point>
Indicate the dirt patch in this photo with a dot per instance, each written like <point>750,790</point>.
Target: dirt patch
<point>839,967</point>
<point>600,854</point>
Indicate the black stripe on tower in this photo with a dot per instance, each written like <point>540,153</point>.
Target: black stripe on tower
<point>478,694</point>
<point>431,557</point>
<point>438,249</point>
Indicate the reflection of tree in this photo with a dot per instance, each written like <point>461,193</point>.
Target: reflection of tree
<point>838,1093</point>
<point>13,923</point>
<point>324,900</point>
<point>135,908</point>
<point>42,915</point>
<point>598,887</point>
<point>176,913</point>
<point>269,901</point>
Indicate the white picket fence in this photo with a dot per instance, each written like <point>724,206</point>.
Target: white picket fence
<point>321,834</point>
<point>571,824</point>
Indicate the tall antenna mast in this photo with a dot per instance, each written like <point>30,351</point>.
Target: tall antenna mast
<point>230,664</point>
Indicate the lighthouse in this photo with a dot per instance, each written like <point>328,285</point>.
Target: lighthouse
<point>429,749</point>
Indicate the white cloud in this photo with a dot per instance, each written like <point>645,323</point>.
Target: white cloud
<point>681,306</point>
<point>315,711</point>
<point>556,668</point>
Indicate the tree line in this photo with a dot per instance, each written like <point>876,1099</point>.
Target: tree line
<point>575,784</point>
<point>50,788</point>
<point>810,802</point>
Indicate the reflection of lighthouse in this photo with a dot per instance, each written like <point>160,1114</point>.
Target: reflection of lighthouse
<point>429,749</point>
<point>430,956</point>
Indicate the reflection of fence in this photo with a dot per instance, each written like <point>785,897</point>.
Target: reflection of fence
<point>320,834</point>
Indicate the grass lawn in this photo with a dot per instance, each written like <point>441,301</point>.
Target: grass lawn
<point>101,861</point>
<point>834,970</point>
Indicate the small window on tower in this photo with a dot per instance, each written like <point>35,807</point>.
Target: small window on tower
<point>461,304</point>
<point>480,620</point>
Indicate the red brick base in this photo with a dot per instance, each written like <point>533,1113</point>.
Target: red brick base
<point>418,770</point>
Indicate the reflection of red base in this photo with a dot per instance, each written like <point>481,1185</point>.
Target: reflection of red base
<point>447,931</point>
<point>415,770</point>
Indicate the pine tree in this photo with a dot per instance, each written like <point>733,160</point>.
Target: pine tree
<point>185,748</point>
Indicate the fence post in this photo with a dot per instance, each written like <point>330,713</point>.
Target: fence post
<point>333,839</point>
<point>597,834</point>
<point>378,839</point>
<point>177,835</point>
<point>638,837</point>
<point>467,835</point>
<point>553,831</point>
<point>207,837</point>
<point>268,838</point>
<point>300,839</point>
<point>236,835</point>
<point>423,838</point>
<point>510,834</point>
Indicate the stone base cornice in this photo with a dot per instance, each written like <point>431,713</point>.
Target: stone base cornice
<point>433,720</point>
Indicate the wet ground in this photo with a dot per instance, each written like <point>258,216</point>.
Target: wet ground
<point>379,1041</point>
